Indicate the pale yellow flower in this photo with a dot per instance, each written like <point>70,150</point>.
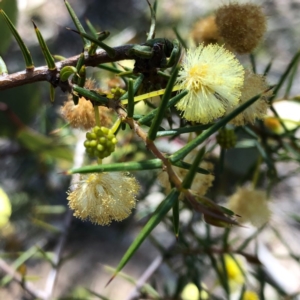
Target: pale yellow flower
<point>254,84</point>
<point>250,295</point>
<point>235,268</point>
<point>214,78</point>
<point>191,292</point>
<point>5,208</point>
<point>103,197</point>
<point>251,205</point>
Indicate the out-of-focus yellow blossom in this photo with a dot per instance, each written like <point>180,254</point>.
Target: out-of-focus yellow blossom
<point>213,78</point>
<point>250,295</point>
<point>191,292</point>
<point>289,114</point>
<point>233,269</point>
<point>5,208</point>
<point>104,197</point>
<point>251,205</point>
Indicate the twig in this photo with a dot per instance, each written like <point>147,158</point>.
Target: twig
<point>27,286</point>
<point>145,276</point>
<point>51,280</point>
<point>44,74</point>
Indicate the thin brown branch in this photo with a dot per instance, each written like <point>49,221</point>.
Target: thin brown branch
<point>27,286</point>
<point>44,74</point>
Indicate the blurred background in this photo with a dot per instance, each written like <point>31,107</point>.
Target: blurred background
<point>41,227</point>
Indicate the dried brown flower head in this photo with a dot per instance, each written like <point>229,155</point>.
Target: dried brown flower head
<point>82,115</point>
<point>205,31</point>
<point>241,25</point>
<point>104,197</point>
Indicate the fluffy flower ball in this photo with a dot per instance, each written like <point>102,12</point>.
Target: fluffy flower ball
<point>82,115</point>
<point>242,26</point>
<point>104,197</point>
<point>205,31</point>
<point>213,78</point>
<point>254,84</point>
<point>251,205</point>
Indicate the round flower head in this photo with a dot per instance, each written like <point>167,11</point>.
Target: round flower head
<point>251,205</point>
<point>250,295</point>
<point>82,115</point>
<point>254,84</point>
<point>103,197</point>
<point>213,78</point>
<point>241,25</point>
<point>201,182</point>
<point>205,31</point>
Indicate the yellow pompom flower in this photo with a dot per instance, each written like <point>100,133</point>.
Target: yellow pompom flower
<point>191,292</point>
<point>213,78</point>
<point>5,208</point>
<point>251,205</point>
<point>250,295</point>
<point>235,269</point>
<point>104,197</point>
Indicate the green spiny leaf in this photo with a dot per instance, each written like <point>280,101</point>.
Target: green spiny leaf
<point>26,54</point>
<point>47,55</point>
<point>157,216</point>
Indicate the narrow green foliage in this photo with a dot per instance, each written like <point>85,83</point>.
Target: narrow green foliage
<point>187,166</point>
<point>136,85</point>
<point>176,220</point>
<point>91,95</point>
<point>91,27</point>
<point>253,62</point>
<point>78,25</point>
<point>163,106</point>
<point>151,34</point>
<point>144,120</point>
<point>110,51</point>
<point>268,68</point>
<point>206,134</point>
<point>188,179</point>
<point>52,93</point>
<point>26,54</point>
<point>47,55</point>
<point>117,167</point>
<point>181,130</point>
<point>291,79</point>
<point>82,76</point>
<point>285,75</point>
<point>157,216</point>
<point>130,106</point>
<point>18,262</point>
<point>3,68</point>
<point>179,37</point>
<point>102,36</point>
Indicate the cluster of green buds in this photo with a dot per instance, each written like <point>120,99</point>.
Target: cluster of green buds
<point>226,138</point>
<point>100,142</point>
<point>116,93</point>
